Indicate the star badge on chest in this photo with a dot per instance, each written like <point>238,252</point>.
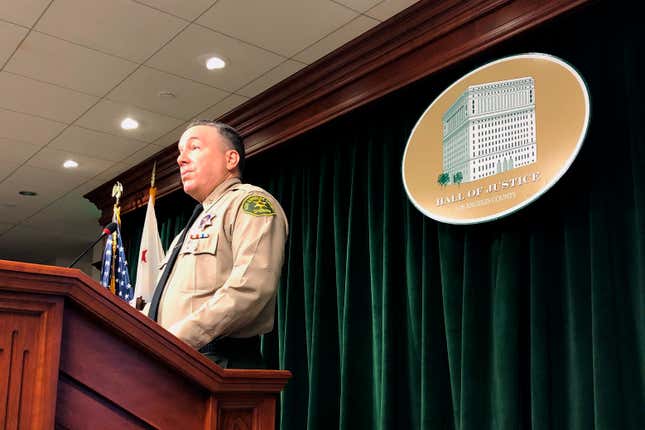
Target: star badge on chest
<point>206,221</point>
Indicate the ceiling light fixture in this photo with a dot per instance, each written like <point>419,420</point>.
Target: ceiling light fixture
<point>70,164</point>
<point>215,63</point>
<point>129,124</point>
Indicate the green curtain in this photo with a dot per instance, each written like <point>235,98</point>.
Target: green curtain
<point>390,320</point>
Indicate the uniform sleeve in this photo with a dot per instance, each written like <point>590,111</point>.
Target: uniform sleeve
<point>258,252</point>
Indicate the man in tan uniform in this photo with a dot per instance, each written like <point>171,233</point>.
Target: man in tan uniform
<point>219,294</point>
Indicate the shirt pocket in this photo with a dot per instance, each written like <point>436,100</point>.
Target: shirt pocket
<point>202,255</point>
<point>200,243</point>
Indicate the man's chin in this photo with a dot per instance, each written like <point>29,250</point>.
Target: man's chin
<point>189,190</point>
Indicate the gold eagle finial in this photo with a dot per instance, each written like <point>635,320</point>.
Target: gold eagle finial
<point>117,191</point>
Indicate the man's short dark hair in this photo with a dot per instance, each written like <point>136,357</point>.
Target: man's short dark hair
<point>227,132</point>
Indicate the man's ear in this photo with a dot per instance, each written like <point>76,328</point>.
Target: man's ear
<point>232,159</point>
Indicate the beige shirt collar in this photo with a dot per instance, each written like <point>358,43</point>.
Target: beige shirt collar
<point>219,192</point>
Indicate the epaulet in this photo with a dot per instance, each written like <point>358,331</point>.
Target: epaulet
<point>249,188</point>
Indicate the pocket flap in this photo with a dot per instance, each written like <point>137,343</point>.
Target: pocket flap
<point>201,243</point>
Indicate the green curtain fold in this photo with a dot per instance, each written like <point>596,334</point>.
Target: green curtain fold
<point>390,320</point>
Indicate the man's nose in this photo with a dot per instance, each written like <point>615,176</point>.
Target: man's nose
<point>181,159</point>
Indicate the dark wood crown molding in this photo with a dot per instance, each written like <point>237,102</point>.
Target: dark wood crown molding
<point>421,40</point>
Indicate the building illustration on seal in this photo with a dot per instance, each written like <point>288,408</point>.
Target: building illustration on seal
<point>490,129</point>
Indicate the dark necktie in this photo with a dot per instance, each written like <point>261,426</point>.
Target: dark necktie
<point>156,297</point>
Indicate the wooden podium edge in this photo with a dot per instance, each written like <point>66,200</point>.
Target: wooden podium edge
<point>72,284</point>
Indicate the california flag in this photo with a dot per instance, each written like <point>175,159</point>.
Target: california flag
<point>150,254</point>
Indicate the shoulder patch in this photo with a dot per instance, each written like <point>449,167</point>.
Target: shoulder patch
<point>258,206</point>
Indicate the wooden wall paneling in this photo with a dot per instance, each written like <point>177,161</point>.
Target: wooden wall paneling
<point>30,333</point>
<point>425,38</point>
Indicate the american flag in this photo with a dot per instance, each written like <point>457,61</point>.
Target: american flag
<point>116,277</point>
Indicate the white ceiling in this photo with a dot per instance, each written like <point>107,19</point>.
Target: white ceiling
<point>71,70</point>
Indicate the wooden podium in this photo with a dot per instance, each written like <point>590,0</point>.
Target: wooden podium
<point>73,356</point>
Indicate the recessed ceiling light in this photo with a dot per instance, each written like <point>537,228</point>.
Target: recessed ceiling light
<point>27,193</point>
<point>129,124</point>
<point>70,164</point>
<point>215,63</point>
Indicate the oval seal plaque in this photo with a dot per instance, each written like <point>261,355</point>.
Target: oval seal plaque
<point>496,139</point>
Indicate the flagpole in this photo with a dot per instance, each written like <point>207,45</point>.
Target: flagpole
<point>114,266</point>
<point>140,302</point>
<point>117,190</point>
<point>154,173</point>
<point>152,192</point>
